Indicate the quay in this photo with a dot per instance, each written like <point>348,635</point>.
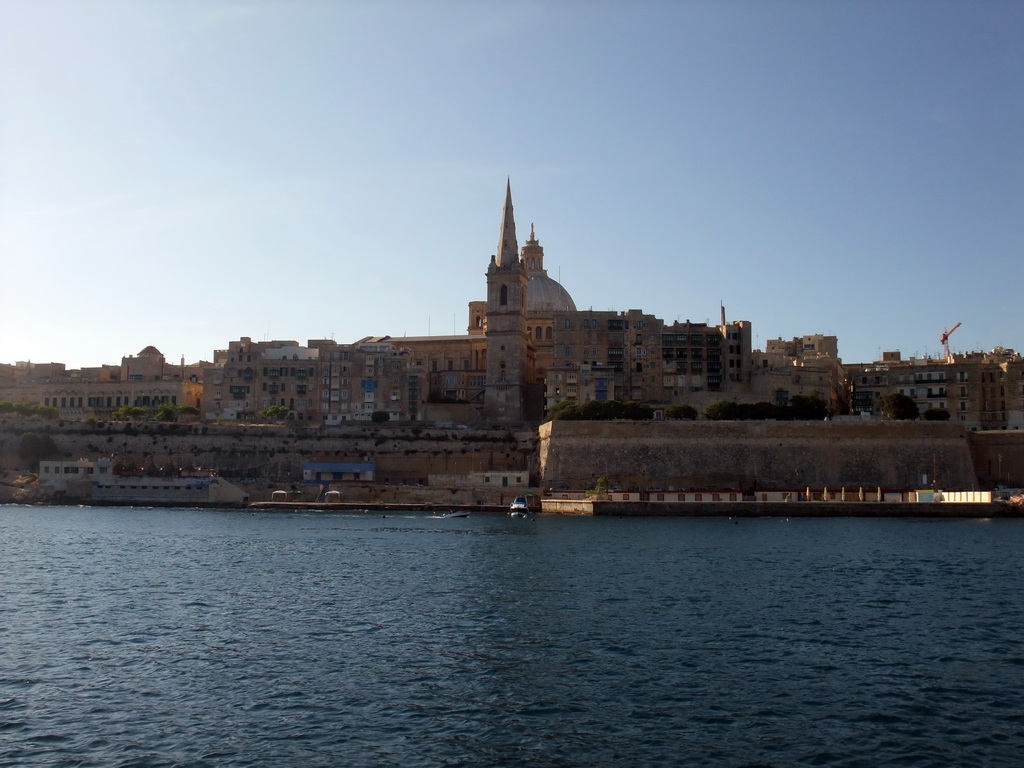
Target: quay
<point>375,506</point>
<point>749,509</point>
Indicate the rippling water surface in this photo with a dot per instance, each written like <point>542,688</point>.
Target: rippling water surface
<point>178,637</point>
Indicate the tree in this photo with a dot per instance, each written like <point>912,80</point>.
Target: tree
<point>723,410</point>
<point>379,417</point>
<point>593,410</point>
<point>762,411</point>
<point>935,414</point>
<point>566,410</point>
<point>274,413</point>
<point>638,411</point>
<point>28,410</point>
<point>808,407</point>
<point>896,406</point>
<point>686,412</point>
<point>130,413</point>
<point>190,412</point>
<point>167,412</point>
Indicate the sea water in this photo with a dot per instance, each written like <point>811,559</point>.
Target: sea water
<point>183,637</point>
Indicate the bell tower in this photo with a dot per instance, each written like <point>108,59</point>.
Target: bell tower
<point>509,350</point>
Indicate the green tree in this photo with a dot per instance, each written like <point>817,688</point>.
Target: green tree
<point>808,407</point>
<point>723,410</point>
<point>274,413</point>
<point>896,406</point>
<point>167,412</point>
<point>28,410</point>
<point>935,414</point>
<point>593,410</point>
<point>130,413</point>
<point>686,412</point>
<point>638,411</point>
<point>566,410</point>
<point>379,417</point>
<point>190,412</point>
<point>762,411</point>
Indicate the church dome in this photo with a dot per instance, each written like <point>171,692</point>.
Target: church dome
<point>545,296</point>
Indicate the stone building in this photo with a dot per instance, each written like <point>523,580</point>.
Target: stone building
<point>809,366</point>
<point>632,355</point>
<point>323,382</point>
<point>143,380</point>
<point>980,390</point>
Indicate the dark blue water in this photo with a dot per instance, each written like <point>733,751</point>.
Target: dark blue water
<point>147,637</point>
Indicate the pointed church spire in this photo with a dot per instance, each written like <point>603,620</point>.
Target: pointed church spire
<point>508,246</point>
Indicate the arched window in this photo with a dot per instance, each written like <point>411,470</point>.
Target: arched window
<point>503,299</point>
<point>540,332</point>
<point>547,333</point>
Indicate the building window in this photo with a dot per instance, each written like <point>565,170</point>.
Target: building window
<point>503,295</point>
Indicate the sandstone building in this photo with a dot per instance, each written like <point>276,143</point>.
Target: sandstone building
<point>981,390</point>
<point>144,380</point>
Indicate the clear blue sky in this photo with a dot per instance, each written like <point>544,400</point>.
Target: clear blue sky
<point>186,173</point>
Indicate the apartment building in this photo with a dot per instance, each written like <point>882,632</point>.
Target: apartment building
<point>807,366</point>
<point>981,390</point>
<point>633,355</point>
<point>323,382</point>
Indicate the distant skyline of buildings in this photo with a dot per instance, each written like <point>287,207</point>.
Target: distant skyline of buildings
<point>526,348</point>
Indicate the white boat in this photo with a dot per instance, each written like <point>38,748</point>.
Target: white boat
<point>456,513</point>
<point>519,507</point>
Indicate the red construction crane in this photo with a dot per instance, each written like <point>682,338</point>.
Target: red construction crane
<point>944,339</point>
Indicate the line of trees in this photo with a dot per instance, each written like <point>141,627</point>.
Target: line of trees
<point>600,410</point>
<point>162,412</point>
<point>28,410</point>
<point>894,406</point>
<point>799,408</point>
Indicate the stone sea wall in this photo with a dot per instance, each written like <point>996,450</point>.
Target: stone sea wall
<point>744,456</point>
<point>755,455</point>
<point>272,456</point>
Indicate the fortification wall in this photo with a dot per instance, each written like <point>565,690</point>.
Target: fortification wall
<point>272,455</point>
<point>998,457</point>
<point>752,455</point>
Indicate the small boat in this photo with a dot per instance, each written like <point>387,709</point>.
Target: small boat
<point>519,507</point>
<point>456,513</point>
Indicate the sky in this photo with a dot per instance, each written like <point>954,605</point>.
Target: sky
<point>185,173</point>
